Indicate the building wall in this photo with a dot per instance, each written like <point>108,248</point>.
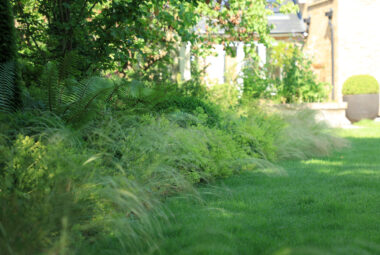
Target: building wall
<point>358,39</point>
<point>318,42</point>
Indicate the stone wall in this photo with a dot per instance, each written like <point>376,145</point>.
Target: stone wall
<point>318,42</point>
<point>358,39</point>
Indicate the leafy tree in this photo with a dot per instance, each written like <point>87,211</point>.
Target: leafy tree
<point>127,35</point>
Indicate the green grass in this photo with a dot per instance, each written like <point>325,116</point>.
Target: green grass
<point>318,206</point>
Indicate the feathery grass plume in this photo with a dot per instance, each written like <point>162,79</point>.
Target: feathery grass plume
<point>57,198</point>
<point>304,137</point>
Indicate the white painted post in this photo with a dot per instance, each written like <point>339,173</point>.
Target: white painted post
<point>240,55</point>
<point>184,61</point>
<point>262,52</point>
<point>215,66</point>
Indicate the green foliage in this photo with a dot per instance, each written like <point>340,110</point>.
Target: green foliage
<point>299,83</point>
<point>74,100</point>
<point>159,150</point>
<point>78,191</point>
<point>287,78</point>
<point>190,105</point>
<point>58,197</point>
<point>256,84</point>
<point>7,87</point>
<point>256,132</point>
<point>304,138</point>
<point>360,84</point>
<point>224,95</point>
<point>109,33</point>
<point>84,167</point>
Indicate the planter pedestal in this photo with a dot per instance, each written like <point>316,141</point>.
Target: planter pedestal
<point>332,113</point>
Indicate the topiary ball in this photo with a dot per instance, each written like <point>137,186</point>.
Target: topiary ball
<point>360,84</point>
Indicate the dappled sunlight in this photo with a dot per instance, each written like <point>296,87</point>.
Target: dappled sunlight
<point>219,212</point>
<point>272,172</point>
<point>359,172</point>
<point>321,162</point>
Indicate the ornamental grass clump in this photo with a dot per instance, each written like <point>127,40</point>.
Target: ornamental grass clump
<point>58,196</point>
<point>303,137</point>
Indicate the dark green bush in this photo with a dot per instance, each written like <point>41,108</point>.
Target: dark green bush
<point>360,84</point>
<point>190,105</point>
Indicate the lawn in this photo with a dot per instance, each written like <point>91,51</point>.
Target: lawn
<point>318,206</point>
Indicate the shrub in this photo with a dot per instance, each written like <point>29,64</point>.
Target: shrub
<point>299,83</point>
<point>255,131</point>
<point>156,149</point>
<point>257,82</point>
<point>190,105</point>
<point>225,95</point>
<point>287,78</point>
<point>360,84</point>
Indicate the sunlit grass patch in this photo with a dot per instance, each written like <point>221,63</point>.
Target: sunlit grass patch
<point>322,206</point>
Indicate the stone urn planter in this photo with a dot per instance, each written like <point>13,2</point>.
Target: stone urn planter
<point>361,92</point>
<point>360,107</point>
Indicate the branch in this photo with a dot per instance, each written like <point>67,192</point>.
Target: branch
<point>153,60</point>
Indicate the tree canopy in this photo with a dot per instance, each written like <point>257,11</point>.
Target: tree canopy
<point>132,36</point>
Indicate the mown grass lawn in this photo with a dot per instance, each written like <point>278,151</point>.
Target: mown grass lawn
<point>319,206</point>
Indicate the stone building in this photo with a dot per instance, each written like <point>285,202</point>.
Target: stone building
<point>355,39</point>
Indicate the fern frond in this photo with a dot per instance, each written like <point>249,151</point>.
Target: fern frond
<point>69,66</point>
<point>50,81</point>
<point>7,87</point>
<point>83,96</point>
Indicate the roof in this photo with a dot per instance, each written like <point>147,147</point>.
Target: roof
<point>286,24</point>
<point>283,24</point>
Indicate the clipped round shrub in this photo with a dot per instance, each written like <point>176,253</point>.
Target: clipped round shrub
<point>360,84</point>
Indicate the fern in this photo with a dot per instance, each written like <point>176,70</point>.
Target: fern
<point>7,87</point>
<point>84,95</point>
<point>70,98</point>
<point>50,81</point>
